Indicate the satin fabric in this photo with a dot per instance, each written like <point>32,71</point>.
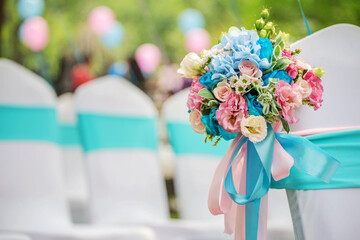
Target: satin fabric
<point>185,141</point>
<point>28,123</point>
<point>100,132</point>
<point>69,135</point>
<point>343,146</point>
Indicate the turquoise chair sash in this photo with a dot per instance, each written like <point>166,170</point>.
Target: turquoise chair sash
<point>28,124</point>
<point>344,146</point>
<point>98,132</point>
<point>185,141</point>
<point>69,135</point>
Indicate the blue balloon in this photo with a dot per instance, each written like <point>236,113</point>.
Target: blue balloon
<point>114,37</point>
<point>190,19</point>
<point>20,32</point>
<point>118,69</point>
<point>30,8</point>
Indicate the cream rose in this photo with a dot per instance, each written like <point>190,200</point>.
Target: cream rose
<point>304,88</point>
<point>222,91</point>
<point>248,68</point>
<point>191,66</point>
<point>254,127</point>
<point>195,121</point>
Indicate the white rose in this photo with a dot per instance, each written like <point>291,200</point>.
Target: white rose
<point>254,127</point>
<point>222,91</point>
<point>191,66</point>
<point>196,123</point>
<point>304,88</point>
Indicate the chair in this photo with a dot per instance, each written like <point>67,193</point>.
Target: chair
<point>118,125</point>
<point>118,129</point>
<point>74,168</point>
<point>32,194</point>
<point>194,168</point>
<point>13,236</point>
<point>331,213</point>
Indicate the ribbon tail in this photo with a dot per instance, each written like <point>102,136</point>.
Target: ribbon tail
<point>308,157</point>
<point>252,210</point>
<point>214,192</point>
<point>281,163</point>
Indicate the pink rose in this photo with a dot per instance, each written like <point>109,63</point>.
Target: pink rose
<point>288,98</point>
<point>194,100</point>
<point>317,89</point>
<point>231,112</point>
<point>223,91</point>
<point>304,88</point>
<point>195,121</point>
<point>292,70</point>
<point>248,68</point>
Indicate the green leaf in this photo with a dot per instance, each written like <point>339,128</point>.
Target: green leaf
<point>318,72</point>
<point>277,52</point>
<point>282,63</point>
<point>213,103</point>
<point>206,94</point>
<point>285,125</point>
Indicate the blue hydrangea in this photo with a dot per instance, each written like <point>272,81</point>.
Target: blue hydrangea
<point>239,44</point>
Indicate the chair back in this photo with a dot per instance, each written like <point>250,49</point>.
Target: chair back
<point>118,129</point>
<point>31,181</point>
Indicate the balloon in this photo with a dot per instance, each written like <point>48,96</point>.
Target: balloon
<point>80,74</point>
<point>34,33</point>
<point>148,57</point>
<point>196,40</point>
<point>114,37</point>
<point>30,8</point>
<point>118,69</point>
<point>101,20</point>
<point>190,19</point>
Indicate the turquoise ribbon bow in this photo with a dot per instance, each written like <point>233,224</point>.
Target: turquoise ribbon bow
<point>258,170</point>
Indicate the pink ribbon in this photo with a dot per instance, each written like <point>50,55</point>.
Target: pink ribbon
<point>234,215</point>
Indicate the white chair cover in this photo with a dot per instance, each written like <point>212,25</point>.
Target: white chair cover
<point>194,172</point>
<point>32,194</point>
<point>73,159</point>
<point>125,183</point>
<point>333,213</point>
<point>31,181</point>
<point>13,236</point>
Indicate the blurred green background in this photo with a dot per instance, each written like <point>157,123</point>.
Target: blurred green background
<point>155,21</point>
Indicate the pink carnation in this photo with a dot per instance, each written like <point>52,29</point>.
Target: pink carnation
<point>292,70</point>
<point>194,100</point>
<point>285,53</point>
<point>300,64</point>
<point>288,98</point>
<point>317,89</point>
<point>231,112</point>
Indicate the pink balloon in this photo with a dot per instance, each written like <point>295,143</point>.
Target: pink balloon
<point>196,40</point>
<point>101,19</point>
<point>35,33</point>
<point>148,57</point>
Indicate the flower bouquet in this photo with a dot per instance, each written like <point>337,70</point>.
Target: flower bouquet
<point>247,88</point>
<point>247,80</point>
